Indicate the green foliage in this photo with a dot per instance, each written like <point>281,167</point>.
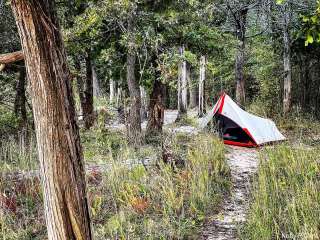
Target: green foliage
<point>311,26</point>
<point>286,200</point>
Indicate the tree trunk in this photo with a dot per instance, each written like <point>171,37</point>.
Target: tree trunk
<point>167,96</point>
<point>192,89</point>
<point>286,64</point>
<point>134,119</point>
<point>240,57</point>
<point>182,87</point>
<point>58,141</point>
<point>119,97</point>
<point>87,107</point>
<point>144,103</point>
<point>20,99</point>
<point>80,83</point>
<point>202,78</point>
<point>156,110</point>
<point>112,87</point>
<point>95,82</point>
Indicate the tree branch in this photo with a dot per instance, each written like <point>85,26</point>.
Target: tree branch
<point>8,58</point>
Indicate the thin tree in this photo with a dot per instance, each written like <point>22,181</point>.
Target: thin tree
<point>182,87</point>
<point>58,140</point>
<point>202,78</point>
<point>134,121</point>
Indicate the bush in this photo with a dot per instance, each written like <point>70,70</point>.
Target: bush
<point>286,199</point>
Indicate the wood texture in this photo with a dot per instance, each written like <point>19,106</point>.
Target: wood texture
<point>11,57</point>
<point>57,133</point>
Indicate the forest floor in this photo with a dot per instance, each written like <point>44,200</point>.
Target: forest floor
<point>243,163</point>
<point>106,151</point>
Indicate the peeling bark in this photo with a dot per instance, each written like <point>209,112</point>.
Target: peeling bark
<point>58,140</point>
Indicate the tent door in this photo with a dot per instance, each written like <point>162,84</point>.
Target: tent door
<point>232,133</point>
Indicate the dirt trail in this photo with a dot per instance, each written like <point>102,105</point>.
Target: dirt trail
<point>224,226</point>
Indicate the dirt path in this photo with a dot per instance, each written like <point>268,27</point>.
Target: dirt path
<point>243,163</point>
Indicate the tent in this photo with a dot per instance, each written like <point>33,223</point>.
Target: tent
<point>240,128</point>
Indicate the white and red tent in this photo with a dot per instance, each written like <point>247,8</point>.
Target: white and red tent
<point>239,127</point>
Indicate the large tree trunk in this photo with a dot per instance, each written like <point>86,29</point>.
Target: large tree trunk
<point>192,89</point>
<point>240,57</point>
<point>202,78</point>
<point>182,87</point>
<point>87,107</point>
<point>286,64</point>
<point>134,119</point>
<point>58,141</point>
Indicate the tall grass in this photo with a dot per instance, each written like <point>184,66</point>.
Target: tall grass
<point>286,196</point>
<point>160,202</point>
<point>164,202</point>
<point>18,154</point>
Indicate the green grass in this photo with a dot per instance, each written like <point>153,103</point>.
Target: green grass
<point>286,196</point>
<point>161,202</point>
<point>15,156</point>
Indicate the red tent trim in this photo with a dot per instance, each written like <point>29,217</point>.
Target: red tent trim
<point>222,103</point>
<point>250,135</point>
<point>240,144</point>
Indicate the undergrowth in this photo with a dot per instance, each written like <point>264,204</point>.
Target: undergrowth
<point>286,199</point>
<point>162,201</point>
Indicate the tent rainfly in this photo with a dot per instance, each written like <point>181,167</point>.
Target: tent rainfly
<point>239,127</point>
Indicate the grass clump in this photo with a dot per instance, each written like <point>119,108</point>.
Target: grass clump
<point>163,202</point>
<point>286,199</point>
